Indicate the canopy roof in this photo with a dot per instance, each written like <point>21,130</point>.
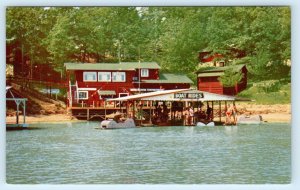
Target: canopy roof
<point>112,66</point>
<point>210,74</point>
<point>178,95</point>
<point>235,68</point>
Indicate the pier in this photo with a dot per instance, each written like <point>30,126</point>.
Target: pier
<point>20,102</point>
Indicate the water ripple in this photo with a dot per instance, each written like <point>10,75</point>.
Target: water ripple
<point>77,153</point>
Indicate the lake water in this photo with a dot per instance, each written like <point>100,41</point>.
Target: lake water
<point>76,153</point>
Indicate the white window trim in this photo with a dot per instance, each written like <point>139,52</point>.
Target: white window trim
<point>110,77</point>
<point>143,74</point>
<point>85,89</point>
<point>89,72</point>
<point>87,95</point>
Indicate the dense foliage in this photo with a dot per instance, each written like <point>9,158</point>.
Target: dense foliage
<point>172,36</point>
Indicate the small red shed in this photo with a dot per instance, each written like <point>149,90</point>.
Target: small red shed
<point>208,80</point>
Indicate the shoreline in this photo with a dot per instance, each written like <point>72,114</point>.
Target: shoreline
<point>278,113</point>
<point>53,118</point>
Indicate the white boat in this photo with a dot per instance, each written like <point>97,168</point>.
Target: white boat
<point>250,119</point>
<point>209,124</point>
<point>112,124</point>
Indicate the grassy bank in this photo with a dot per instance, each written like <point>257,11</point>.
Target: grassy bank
<point>268,92</point>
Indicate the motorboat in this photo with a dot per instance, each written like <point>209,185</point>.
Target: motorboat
<point>250,119</point>
<point>112,124</point>
<point>202,124</point>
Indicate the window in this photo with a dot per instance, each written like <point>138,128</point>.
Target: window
<point>104,76</point>
<point>144,72</point>
<point>89,76</point>
<point>118,76</point>
<point>83,95</point>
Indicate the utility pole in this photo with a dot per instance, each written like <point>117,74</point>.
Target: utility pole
<point>139,70</point>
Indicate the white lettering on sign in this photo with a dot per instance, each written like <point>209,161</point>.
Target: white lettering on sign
<point>188,95</point>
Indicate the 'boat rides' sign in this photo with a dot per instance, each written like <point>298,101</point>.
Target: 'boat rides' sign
<point>188,95</point>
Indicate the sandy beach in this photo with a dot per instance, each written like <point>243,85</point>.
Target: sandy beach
<point>269,113</point>
<point>42,118</point>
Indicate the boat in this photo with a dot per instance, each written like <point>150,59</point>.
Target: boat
<point>209,124</point>
<point>112,124</point>
<point>250,119</point>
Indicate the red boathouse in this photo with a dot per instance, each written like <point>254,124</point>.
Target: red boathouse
<point>208,80</point>
<point>91,83</point>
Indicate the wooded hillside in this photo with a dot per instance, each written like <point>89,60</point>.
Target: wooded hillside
<point>171,36</point>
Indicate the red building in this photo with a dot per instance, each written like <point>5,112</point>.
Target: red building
<point>208,80</point>
<point>209,58</point>
<point>91,83</point>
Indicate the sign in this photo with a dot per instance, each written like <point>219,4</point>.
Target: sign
<point>53,91</point>
<point>188,95</point>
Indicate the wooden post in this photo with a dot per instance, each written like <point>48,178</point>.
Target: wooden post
<point>212,106</point>
<point>220,111</point>
<point>105,108</point>
<point>127,109</point>
<point>150,118</point>
<point>141,113</point>
<point>171,113</point>
<point>88,113</point>
<point>133,111</point>
<point>17,115</point>
<point>24,111</point>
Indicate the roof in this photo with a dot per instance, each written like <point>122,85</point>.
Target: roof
<point>210,74</point>
<point>222,69</point>
<point>173,95</point>
<point>170,78</point>
<point>144,95</point>
<point>112,66</point>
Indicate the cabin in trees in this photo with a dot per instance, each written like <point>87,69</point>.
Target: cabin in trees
<point>91,83</point>
<point>208,80</point>
<point>213,59</point>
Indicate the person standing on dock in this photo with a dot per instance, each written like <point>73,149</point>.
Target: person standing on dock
<point>208,113</point>
<point>234,113</point>
<point>186,116</point>
<point>231,111</point>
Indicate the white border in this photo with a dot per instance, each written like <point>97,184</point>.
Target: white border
<point>295,87</point>
<point>87,95</point>
<point>89,72</point>
<point>104,72</point>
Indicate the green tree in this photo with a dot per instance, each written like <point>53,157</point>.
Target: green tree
<point>230,78</point>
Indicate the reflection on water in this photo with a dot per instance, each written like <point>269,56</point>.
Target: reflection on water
<point>78,153</point>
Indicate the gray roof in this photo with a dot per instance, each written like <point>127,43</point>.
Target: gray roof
<point>112,66</point>
<point>222,69</point>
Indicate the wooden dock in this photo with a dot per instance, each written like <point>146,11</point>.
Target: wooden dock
<point>14,126</point>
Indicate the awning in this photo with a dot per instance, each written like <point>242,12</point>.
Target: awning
<point>106,92</point>
<point>145,95</point>
<point>178,95</point>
